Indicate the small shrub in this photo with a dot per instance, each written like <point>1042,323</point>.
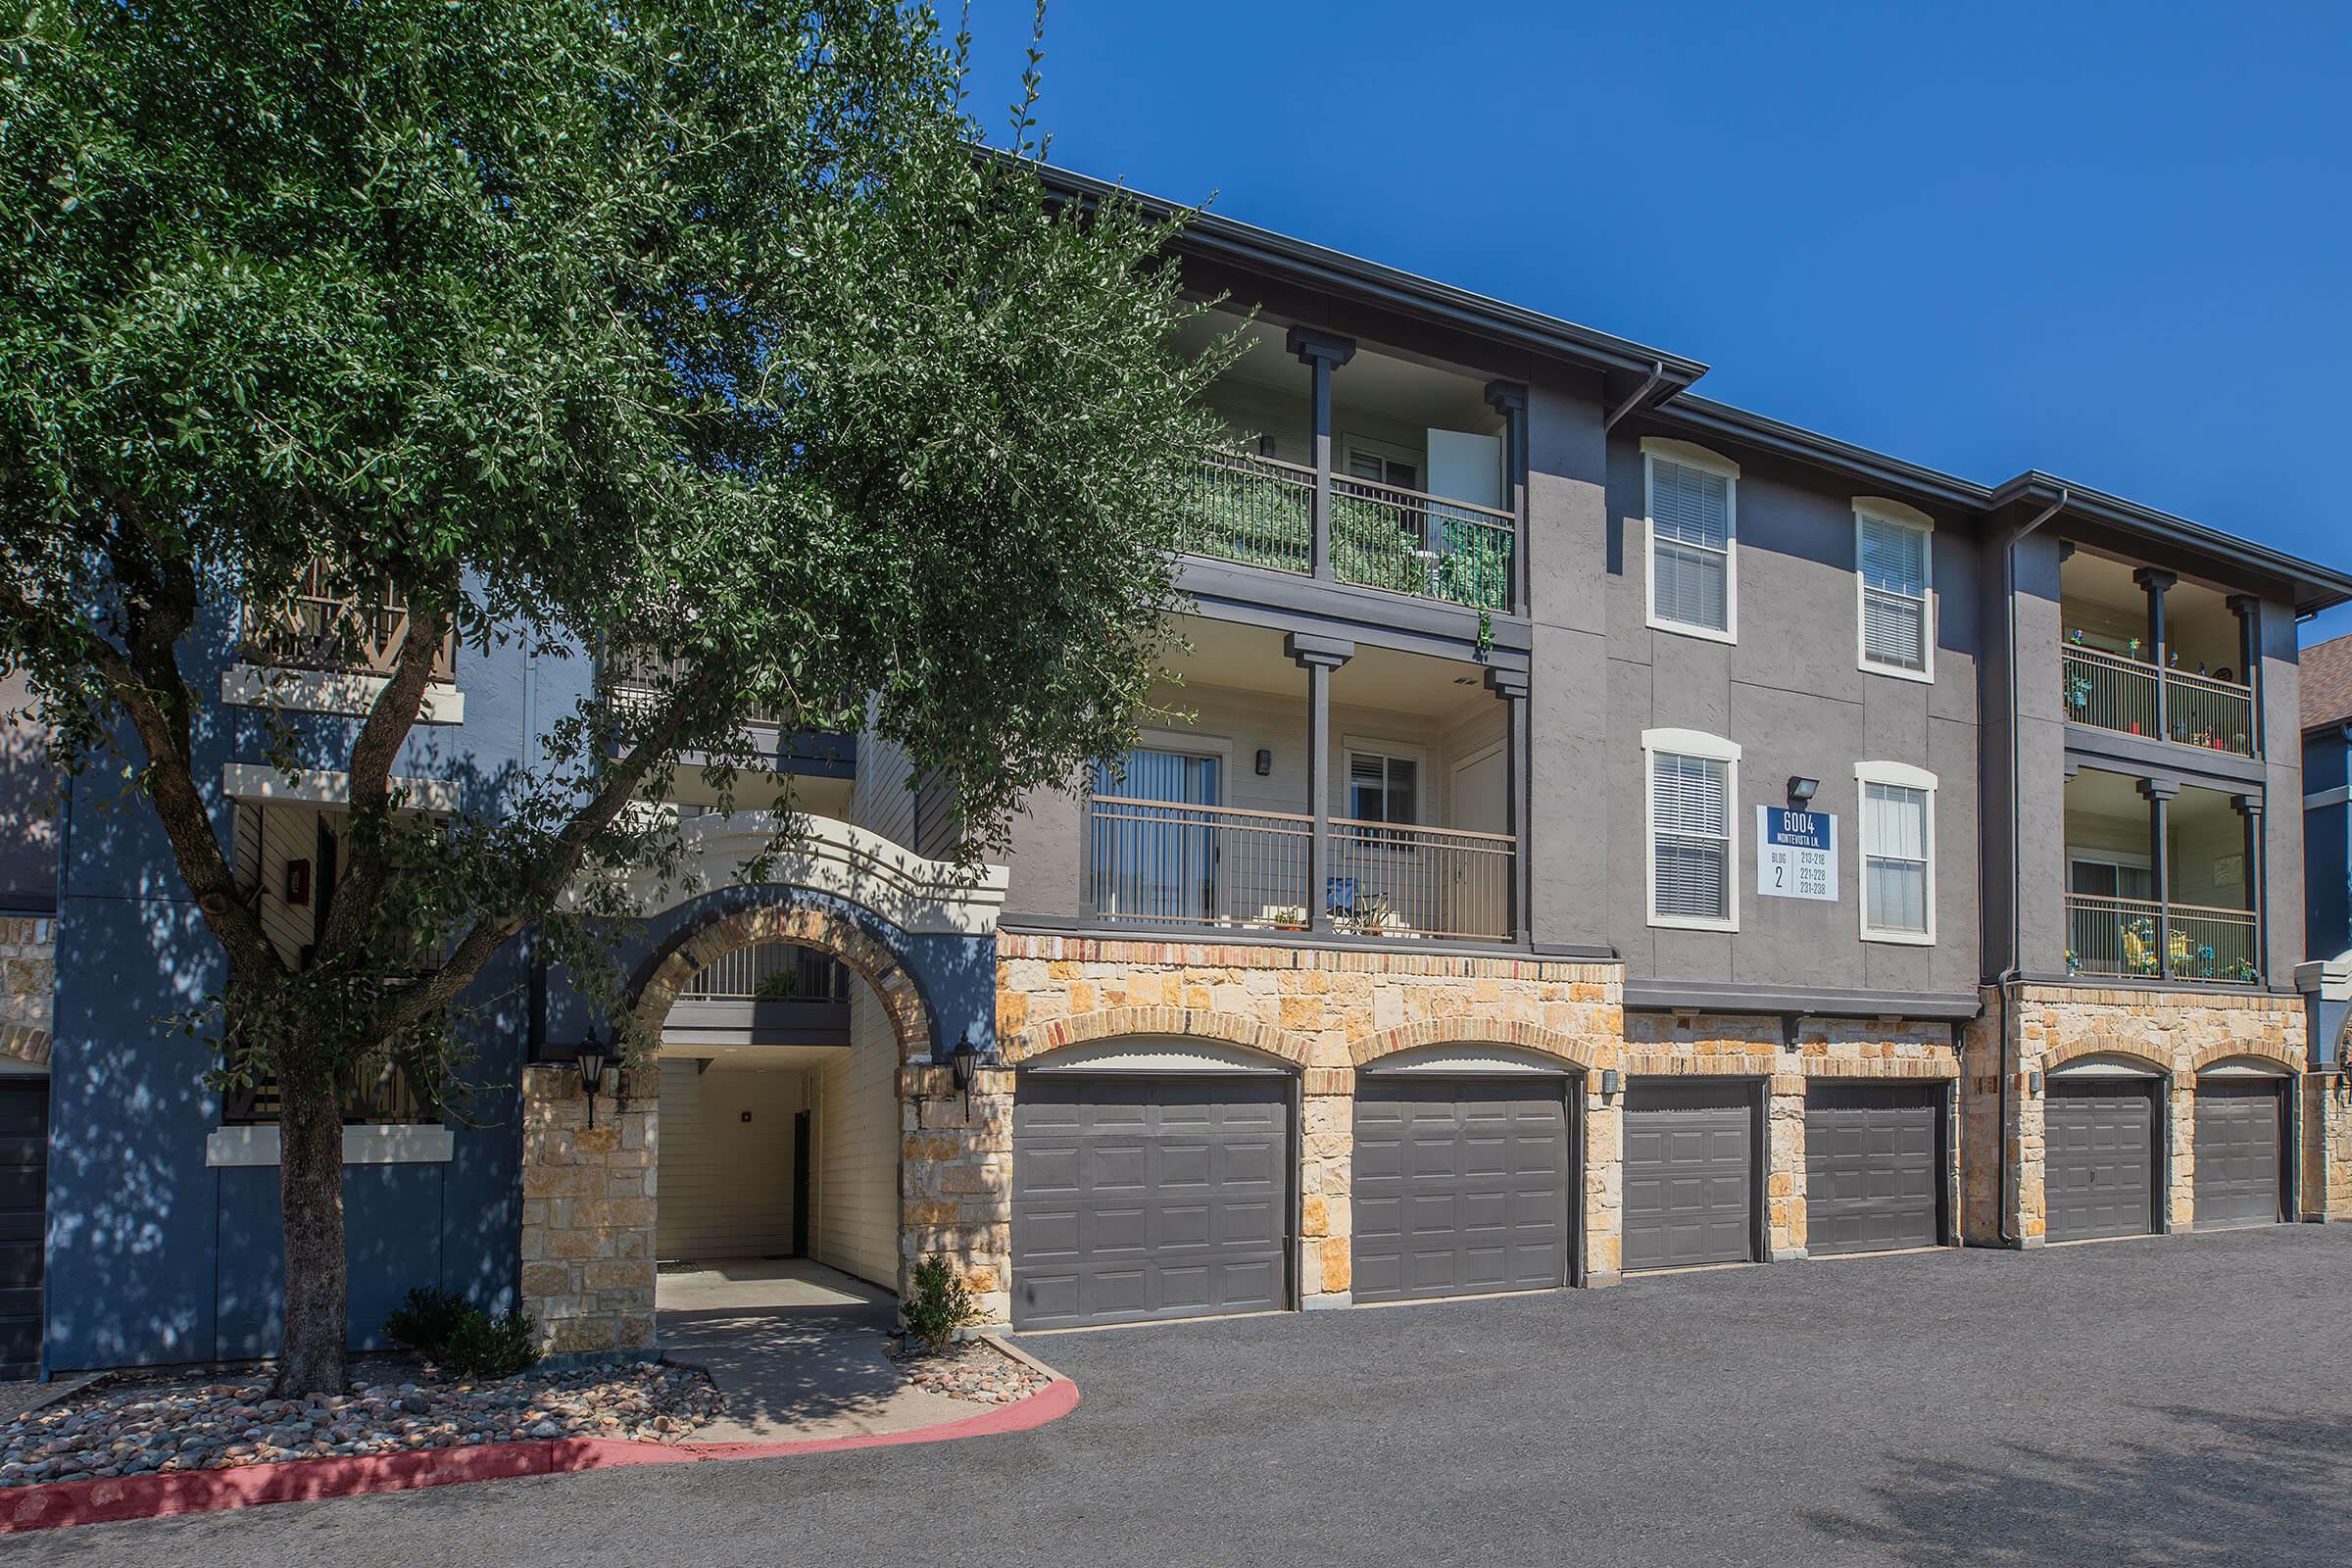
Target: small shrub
<point>486,1347</point>
<point>938,1305</point>
<point>427,1318</point>
<point>459,1339</point>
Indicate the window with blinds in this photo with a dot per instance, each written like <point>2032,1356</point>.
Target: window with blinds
<point>1894,860</point>
<point>1690,836</point>
<point>1690,546</point>
<point>1382,789</point>
<point>1893,561</point>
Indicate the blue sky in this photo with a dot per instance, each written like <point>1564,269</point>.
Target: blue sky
<point>2111,242</point>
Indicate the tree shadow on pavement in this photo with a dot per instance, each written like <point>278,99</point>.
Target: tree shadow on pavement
<point>2192,1486</point>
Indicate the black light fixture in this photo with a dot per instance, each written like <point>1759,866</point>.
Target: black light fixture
<point>1608,1082</point>
<point>1801,788</point>
<point>592,1055</point>
<point>1265,761</point>
<point>963,1064</point>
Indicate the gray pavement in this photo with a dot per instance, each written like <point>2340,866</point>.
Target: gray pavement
<point>2170,1400</point>
<point>798,1349</point>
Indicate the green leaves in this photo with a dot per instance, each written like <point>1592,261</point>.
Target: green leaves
<point>705,330</point>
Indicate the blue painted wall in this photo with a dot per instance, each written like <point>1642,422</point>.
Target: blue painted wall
<point>155,1257</point>
<point>2327,845</point>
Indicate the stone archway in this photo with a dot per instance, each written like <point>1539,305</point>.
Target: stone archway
<point>590,1197</point>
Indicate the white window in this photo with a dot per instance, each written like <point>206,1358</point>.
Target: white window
<point>1381,788</point>
<point>1893,583</point>
<point>1693,779</point>
<point>1898,853</point>
<point>1692,512</point>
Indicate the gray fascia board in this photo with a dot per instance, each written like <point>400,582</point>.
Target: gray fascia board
<point>1286,602</point>
<point>2315,587</point>
<point>1688,411</point>
<point>2108,751</point>
<point>1689,995</point>
<point>1336,272</point>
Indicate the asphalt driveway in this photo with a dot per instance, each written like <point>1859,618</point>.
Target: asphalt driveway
<point>2173,1400</point>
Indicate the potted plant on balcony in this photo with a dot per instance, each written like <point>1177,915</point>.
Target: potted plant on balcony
<point>1290,917</point>
<point>1374,913</point>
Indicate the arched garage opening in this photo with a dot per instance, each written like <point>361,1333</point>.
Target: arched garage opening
<point>1467,1172</point>
<point>2243,1144</point>
<point>1153,1177</point>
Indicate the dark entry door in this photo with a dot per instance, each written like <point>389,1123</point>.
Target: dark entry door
<point>1873,1171</point>
<point>1148,1197</point>
<point>1690,1174</point>
<point>2241,1132</point>
<point>23,1202</point>
<point>2099,1158</point>
<point>1461,1187</point>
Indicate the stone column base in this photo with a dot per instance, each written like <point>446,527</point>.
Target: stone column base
<point>588,1215</point>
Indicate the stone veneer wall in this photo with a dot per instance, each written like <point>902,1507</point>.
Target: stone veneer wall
<point>2177,1033</point>
<point>588,1214</point>
<point>1333,1013</point>
<point>2327,1145</point>
<point>27,986</point>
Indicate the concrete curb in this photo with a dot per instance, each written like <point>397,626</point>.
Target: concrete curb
<point>102,1502</point>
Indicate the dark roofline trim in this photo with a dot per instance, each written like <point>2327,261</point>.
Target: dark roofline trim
<point>2317,587</point>
<point>1689,411</point>
<point>1336,272</point>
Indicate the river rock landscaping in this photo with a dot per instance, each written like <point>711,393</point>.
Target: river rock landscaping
<point>973,1370</point>
<point>138,1425</point>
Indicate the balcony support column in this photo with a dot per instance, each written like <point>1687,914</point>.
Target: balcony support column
<point>1318,657</point>
<point>1321,352</point>
<point>2155,582</point>
<point>1511,686</point>
<point>1510,399</point>
<point>2248,610</point>
<point>2159,795</point>
<point>2249,807</point>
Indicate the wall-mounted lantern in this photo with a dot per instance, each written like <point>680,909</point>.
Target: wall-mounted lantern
<point>594,1052</point>
<point>963,1064</point>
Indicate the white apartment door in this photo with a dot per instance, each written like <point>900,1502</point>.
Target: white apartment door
<point>1481,893</point>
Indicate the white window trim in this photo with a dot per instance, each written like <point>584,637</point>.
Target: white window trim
<point>395,1144</point>
<point>1691,457</point>
<point>1714,749</point>
<point>1893,513</point>
<point>1898,775</point>
<point>318,691</point>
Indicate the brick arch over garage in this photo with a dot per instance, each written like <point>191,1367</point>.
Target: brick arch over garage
<point>664,974</point>
<point>2272,1052</point>
<point>1471,1031</point>
<point>24,1043</point>
<point>1113,1022</point>
<point>2105,1043</point>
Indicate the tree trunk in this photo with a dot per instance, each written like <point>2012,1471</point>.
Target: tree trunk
<point>310,1188</point>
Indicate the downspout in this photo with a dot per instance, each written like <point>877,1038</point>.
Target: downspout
<point>2011,1046</point>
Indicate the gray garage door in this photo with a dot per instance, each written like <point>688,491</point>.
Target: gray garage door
<point>1148,1197</point>
<point>2099,1158</point>
<point>1873,1167</point>
<point>1690,1174</point>
<point>23,1187</point>
<point>1461,1187</point>
<point>2240,1130</point>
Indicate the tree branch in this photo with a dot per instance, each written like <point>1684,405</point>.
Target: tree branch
<point>372,753</point>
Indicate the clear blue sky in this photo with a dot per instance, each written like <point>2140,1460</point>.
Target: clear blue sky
<point>2113,242</point>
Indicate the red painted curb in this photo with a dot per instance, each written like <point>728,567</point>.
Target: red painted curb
<point>103,1501</point>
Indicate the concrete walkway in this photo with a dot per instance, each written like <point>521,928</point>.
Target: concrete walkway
<point>796,1347</point>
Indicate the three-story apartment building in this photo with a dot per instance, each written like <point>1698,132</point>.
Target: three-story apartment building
<point>1590,829</point>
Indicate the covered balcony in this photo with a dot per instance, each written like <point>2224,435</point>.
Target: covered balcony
<point>1362,468</point>
<point>2147,654</point>
<point>1287,786</point>
<point>335,628</point>
<point>2163,881</point>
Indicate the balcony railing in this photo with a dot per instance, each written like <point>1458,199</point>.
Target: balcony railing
<point>1165,863</point>
<point>638,681</point>
<point>326,626</point>
<point>2123,939</point>
<point>2111,692</point>
<point>769,971</point>
<point>1261,512</point>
